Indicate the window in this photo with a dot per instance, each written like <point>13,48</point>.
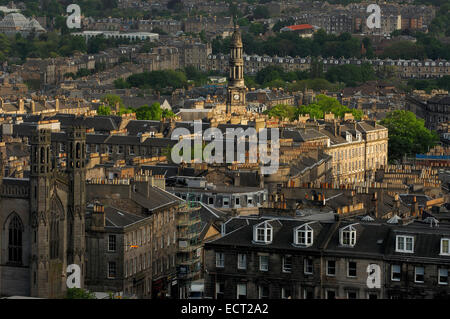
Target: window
<point>419,274</point>
<point>351,294</point>
<point>395,273</point>
<point>445,247</point>
<point>286,293</point>
<point>405,244</point>
<point>348,236</point>
<point>54,236</point>
<point>112,243</point>
<point>242,261</point>
<point>263,292</point>
<point>443,276</point>
<point>220,259</point>
<point>351,270</point>
<point>330,294</point>
<point>287,263</point>
<point>242,291</point>
<point>263,233</point>
<point>308,266</point>
<point>331,268</point>
<point>220,288</point>
<point>112,269</point>
<point>373,295</point>
<point>264,263</point>
<point>15,231</point>
<point>304,235</point>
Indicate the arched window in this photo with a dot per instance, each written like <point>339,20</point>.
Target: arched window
<point>15,230</point>
<point>78,150</point>
<point>54,236</point>
<point>303,235</point>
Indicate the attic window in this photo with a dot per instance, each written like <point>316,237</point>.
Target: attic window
<point>348,236</point>
<point>263,233</point>
<point>445,246</point>
<point>404,244</point>
<point>303,235</point>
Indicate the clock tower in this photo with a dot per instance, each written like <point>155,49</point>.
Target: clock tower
<point>236,86</point>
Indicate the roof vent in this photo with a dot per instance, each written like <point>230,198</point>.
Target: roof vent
<point>367,218</point>
<point>432,221</point>
<point>394,220</point>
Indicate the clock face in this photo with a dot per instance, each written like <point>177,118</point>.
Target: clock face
<point>236,96</point>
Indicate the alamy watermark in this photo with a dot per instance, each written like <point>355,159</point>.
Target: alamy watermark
<point>374,19</point>
<point>252,146</point>
<point>74,277</point>
<point>373,276</point>
<point>74,19</point>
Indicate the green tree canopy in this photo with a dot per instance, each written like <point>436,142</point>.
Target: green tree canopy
<point>407,134</point>
<point>111,100</point>
<point>78,293</point>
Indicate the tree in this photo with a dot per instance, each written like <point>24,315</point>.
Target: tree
<point>78,293</point>
<point>261,12</point>
<point>151,113</point>
<point>111,100</point>
<point>407,134</point>
<point>281,111</point>
<point>104,110</point>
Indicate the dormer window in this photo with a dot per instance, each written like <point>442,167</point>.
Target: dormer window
<point>348,236</point>
<point>348,137</point>
<point>445,246</point>
<point>303,235</point>
<point>263,233</point>
<point>404,244</point>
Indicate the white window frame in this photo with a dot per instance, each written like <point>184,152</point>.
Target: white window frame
<point>305,262</point>
<point>237,290</point>
<point>308,235</point>
<point>328,274</point>
<point>351,231</point>
<point>261,268</point>
<point>404,249</point>
<point>416,273</point>
<point>260,291</point>
<point>348,269</point>
<point>242,261</point>
<point>264,229</point>
<point>443,253</point>
<point>220,260</point>
<point>392,272</point>
<point>439,276</point>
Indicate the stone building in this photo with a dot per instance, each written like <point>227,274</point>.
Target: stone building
<point>42,220</point>
<point>315,258</point>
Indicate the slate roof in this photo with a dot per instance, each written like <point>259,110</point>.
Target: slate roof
<point>119,218</point>
<point>157,198</point>
<point>374,239</point>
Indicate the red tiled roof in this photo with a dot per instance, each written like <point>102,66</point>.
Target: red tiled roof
<point>300,27</point>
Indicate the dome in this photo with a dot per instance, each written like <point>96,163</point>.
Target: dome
<point>33,24</point>
<point>14,20</point>
<point>18,22</point>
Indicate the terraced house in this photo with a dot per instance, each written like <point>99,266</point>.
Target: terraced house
<point>328,258</point>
